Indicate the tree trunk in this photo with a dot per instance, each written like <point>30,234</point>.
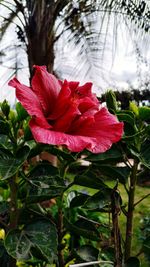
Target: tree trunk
<point>40,35</point>
<point>41,52</point>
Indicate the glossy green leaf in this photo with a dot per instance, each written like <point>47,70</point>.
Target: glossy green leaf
<point>90,180</point>
<point>27,131</point>
<point>144,155</point>
<point>5,153</point>
<point>31,212</point>
<point>144,113</point>
<point>62,154</point>
<point>5,108</point>
<point>78,200</point>
<point>112,153</point>
<point>120,173</point>
<point>21,112</point>
<point>43,169</point>
<point>87,253</point>
<point>39,237</point>
<point>44,183</point>
<point>4,127</point>
<point>83,228</point>
<point>44,187</point>
<point>111,101</point>
<point>35,149</point>
<point>133,261</point>
<point>5,144</point>
<point>10,166</point>
<point>99,201</point>
<point>126,117</point>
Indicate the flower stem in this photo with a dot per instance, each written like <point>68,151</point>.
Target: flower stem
<point>130,212</point>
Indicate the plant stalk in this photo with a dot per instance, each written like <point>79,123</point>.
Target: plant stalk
<point>60,236</point>
<point>115,209</point>
<point>13,211</point>
<point>130,212</point>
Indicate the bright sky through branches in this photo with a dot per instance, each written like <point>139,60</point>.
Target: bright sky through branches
<point>121,65</point>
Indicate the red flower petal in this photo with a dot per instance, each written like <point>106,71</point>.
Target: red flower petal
<point>85,90</point>
<point>63,101</point>
<point>64,113</point>
<point>81,122</point>
<point>64,122</point>
<point>46,87</point>
<point>106,129</point>
<point>30,102</point>
<point>73,85</point>
<point>73,143</point>
<point>87,103</point>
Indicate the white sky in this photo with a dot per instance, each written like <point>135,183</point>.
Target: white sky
<point>119,72</point>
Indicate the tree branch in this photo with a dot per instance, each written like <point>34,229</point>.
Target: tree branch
<point>141,199</point>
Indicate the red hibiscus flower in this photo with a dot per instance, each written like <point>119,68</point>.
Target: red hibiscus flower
<point>64,113</point>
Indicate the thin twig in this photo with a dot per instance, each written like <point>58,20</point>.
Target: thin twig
<point>141,199</point>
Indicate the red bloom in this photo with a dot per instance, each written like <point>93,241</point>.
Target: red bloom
<point>64,113</point>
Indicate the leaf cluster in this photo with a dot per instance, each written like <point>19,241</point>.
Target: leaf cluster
<point>64,213</point>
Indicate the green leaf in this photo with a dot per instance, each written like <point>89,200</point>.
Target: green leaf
<point>5,143</point>
<point>62,154</point>
<point>43,169</point>
<point>112,153</point>
<point>120,173</point>
<point>44,187</point>
<point>83,228</point>
<point>27,133</point>
<point>133,261</point>
<point>111,101</point>
<point>146,245</point>
<point>144,113</point>
<point>4,257</point>
<point>144,155</point>
<point>36,239</point>
<point>99,201</point>
<point>30,213</point>
<point>78,200</point>
<point>44,183</point>
<point>10,166</point>
<point>134,108</point>
<point>21,112</point>
<point>4,207</point>
<point>5,152</point>
<point>4,127</point>
<point>87,253</point>
<point>90,180</point>
<point>5,108</point>
<point>126,117</point>
<point>35,149</point>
